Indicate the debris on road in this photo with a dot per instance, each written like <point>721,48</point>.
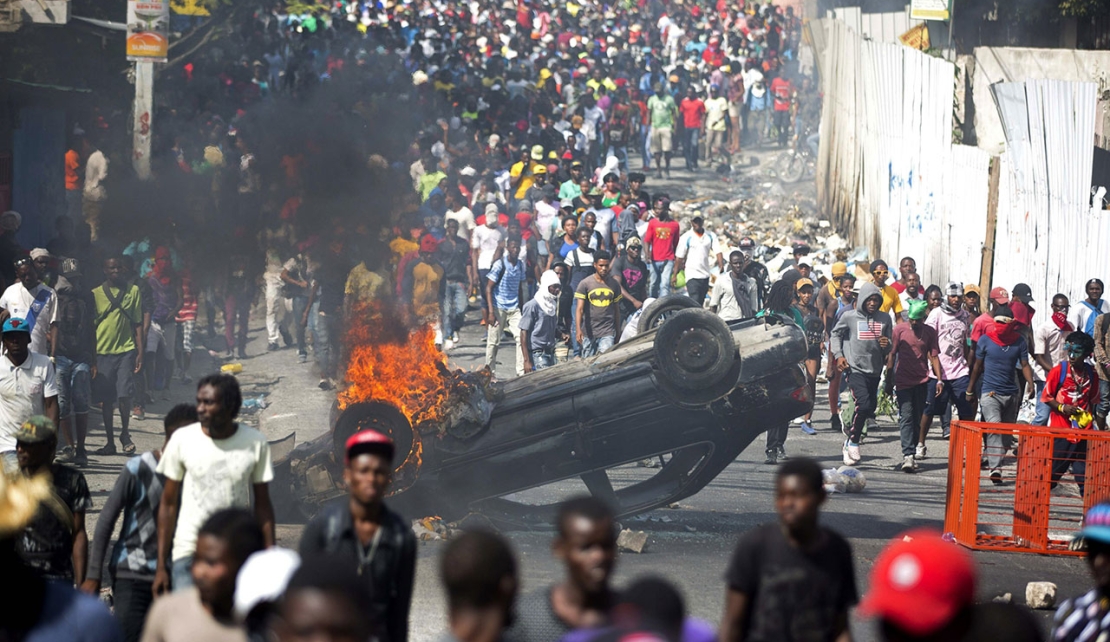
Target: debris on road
<point>1005,598</point>
<point>1040,595</point>
<point>630,540</point>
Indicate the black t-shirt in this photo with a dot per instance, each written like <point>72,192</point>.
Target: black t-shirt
<point>46,545</point>
<point>793,594</point>
<point>633,275</point>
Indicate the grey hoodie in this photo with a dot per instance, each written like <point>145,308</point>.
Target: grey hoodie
<point>856,335</point>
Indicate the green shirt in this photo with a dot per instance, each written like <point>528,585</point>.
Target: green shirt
<point>115,325</point>
<point>662,111</point>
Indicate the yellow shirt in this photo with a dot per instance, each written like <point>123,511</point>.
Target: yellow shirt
<point>516,170</point>
<point>364,286</point>
<point>891,301</point>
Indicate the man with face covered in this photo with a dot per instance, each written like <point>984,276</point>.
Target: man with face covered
<point>586,543</point>
<point>539,324</point>
<point>368,536</point>
<point>912,358</point>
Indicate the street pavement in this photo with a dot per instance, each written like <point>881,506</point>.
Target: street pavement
<point>689,544</point>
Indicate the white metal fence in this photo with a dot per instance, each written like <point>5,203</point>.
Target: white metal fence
<point>888,173</point>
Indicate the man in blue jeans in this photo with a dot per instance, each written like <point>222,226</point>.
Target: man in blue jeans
<point>598,314</point>
<point>74,357</point>
<point>950,321</point>
<point>453,254</point>
<point>997,353</point>
<point>539,324</point>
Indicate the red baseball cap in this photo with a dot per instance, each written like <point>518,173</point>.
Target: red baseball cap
<point>999,295</point>
<point>920,582</point>
<point>369,441</point>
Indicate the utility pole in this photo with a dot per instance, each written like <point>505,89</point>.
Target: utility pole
<point>144,105</point>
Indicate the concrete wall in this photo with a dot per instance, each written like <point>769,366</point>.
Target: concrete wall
<point>1016,64</point>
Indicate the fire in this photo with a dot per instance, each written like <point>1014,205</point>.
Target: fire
<point>389,363</point>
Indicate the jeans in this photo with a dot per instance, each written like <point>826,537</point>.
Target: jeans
<point>690,147</point>
<point>132,600</point>
<point>299,305</point>
<point>593,347</point>
<point>181,573</point>
<point>621,152</point>
<point>323,338</point>
<point>782,123</point>
<point>953,392</point>
<point>575,340</point>
<point>998,409</point>
<point>1041,418</point>
<point>645,150</point>
<point>911,406</point>
<point>543,359</point>
<point>659,283</point>
<point>697,289</point>
<point>454,307</point>
<point>864,389</point>
<point>506,319</point>
<point>482,281</point>
<point>74,386</point>
<point>1103,407</point>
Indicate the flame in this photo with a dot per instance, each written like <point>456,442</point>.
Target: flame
<point>388,363</point>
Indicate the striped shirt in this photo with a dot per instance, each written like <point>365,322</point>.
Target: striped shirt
<point>1084,618</point>
<point>506,279</point>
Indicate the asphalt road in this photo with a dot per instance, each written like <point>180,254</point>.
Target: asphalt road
<point>690,544</point>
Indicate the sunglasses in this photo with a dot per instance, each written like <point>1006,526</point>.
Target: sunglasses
<point>881,272</point>
<point>26,260</point>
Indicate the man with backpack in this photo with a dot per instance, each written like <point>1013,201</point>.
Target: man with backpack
<point>74,359</point>
<point>118,317</point>
<point>376,541</point>
<point>504,294</point>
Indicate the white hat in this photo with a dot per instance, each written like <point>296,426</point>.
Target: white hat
<point>263,578</point>
<point>10,220</point>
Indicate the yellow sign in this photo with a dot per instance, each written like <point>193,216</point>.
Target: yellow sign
<point>148,26</point>
<point>916,38</point>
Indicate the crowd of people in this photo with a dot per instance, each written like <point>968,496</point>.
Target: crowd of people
<point>436,157</point>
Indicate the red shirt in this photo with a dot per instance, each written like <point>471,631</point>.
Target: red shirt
<point>781,90</point>
<point>73,161</point>
<point>693,111</point>
<point>1084,397</point>
<point>662,236</point>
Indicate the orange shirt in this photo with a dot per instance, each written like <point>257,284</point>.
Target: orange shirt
<point>73,161</point>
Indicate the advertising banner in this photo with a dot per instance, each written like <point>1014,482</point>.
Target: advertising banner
<point>148,25</point>
<point>930,10</point>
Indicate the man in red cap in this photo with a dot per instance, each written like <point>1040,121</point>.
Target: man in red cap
<point>377,542</point>
<point>923,588</point>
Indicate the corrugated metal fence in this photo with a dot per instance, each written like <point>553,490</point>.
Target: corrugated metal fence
<point>888,173</point>
<point>880,27</point>
<point>1048,235</point>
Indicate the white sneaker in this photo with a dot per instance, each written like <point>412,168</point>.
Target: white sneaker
<point>448,344</point>
<point>921,451</point>
<point>908,464</point>
<point>847,458</point>
<point>853,452</point>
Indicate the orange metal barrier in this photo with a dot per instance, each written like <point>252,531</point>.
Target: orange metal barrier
<point>1024,513</point>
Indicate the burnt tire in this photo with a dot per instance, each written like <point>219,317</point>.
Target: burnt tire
<point>373,415</point>
<point>694,352</point>
<point>662,309</point>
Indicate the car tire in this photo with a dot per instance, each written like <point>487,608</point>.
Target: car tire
<point>662,308</point>
<point>694,351</point>
<point>373,415</point>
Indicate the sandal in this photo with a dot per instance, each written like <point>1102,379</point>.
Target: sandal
<point>106,450</point>
<point>129,448</point>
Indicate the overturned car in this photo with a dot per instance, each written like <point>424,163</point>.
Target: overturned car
<point>691,391</point>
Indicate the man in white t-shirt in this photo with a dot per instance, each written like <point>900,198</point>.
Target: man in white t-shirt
<point>213,464</point>
<point>36,303</point>
<point>27,388</point>
<point>484,242</point>
<point>912,292</point>
<point>458,211</point>
<point>716,126</point>
<point>695,247</point>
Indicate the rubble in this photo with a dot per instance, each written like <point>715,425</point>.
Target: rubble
<point>1005,598</point>
<point>1040,595</point>
<point>630,540</point>
<point>429,529</point>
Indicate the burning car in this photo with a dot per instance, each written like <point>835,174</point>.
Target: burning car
<point>691,391</point>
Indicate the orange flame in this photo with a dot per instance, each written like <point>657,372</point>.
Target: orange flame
<point>388,363</point>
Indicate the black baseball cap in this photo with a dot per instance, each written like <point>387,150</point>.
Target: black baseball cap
<point>1022,292</point>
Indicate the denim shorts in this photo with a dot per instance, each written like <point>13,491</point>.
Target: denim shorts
<point>74,386</point>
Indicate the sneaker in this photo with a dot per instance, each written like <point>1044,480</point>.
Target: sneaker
<point>853,452</point>
<point>847,458</point>
<point>808,428</point>
<point>996,477</point>
<point>908,464</point>
<point>772,457</point>
<point>242,353</point>
<point>325,384</point>
<point>230,354</point>
<point>81,459</point>
<point>836,424</point>
<point>448,344</point>
<point>920,452</point>
<point>138,413</point>
<point>944,436</point>
<point>66,455</point>
<point>781,453</point>
<point>302,357</point>
<point>455,337</point>
<point>270,347</point>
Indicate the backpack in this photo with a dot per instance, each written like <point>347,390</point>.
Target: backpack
<point>73,319</point>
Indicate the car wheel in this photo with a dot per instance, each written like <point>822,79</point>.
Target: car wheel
<point>373,415</point>
<point>694,351</point>
<point>662,308</point>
